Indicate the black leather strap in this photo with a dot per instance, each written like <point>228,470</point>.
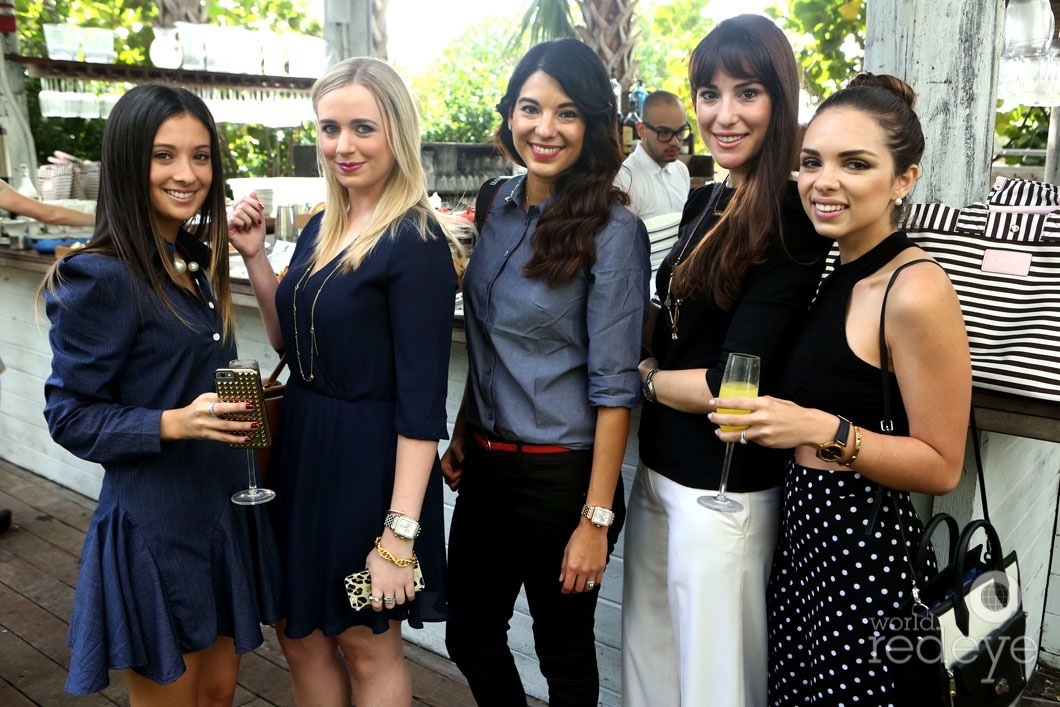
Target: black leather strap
<point>484,201</point>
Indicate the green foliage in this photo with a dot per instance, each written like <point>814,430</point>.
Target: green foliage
<point>455,95</point>
<point>253,150</point>
<point>1024,128</point>
<point>544,20</point>
<point>828,37</point>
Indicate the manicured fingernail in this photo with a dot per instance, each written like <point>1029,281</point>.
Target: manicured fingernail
<point>261,206</point>
<point>258,222</point>
<point>250,406</point>
<point>254,425</point>
<point>246,440</point>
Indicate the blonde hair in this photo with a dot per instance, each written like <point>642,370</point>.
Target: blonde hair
<point>405,192</point>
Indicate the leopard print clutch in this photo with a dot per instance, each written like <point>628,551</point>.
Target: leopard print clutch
<point>359,587</point>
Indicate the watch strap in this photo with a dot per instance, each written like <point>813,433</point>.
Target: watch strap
<point>832,451</point>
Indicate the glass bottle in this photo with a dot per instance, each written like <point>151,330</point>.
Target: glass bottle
<point>616,88</point>
<point>25,185</point>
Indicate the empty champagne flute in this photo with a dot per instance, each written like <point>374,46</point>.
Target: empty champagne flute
<point>740,380</point>
<point>252,495</point>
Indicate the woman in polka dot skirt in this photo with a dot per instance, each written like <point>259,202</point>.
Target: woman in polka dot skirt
<point>840,568</point>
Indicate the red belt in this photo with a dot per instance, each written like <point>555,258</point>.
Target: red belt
<point>496,445</point>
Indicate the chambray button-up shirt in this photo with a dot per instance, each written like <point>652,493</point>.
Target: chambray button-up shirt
<point>541,358</point>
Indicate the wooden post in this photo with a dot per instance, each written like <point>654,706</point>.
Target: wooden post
<point>347,29</point>
<point>948,51</point>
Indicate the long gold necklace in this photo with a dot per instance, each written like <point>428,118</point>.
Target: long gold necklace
<point>672,304</point>
<point>312,320</point>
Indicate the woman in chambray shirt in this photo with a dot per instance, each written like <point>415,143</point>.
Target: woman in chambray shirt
<point>554,298</point>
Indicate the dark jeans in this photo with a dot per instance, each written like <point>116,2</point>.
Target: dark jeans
<point>514,516</point>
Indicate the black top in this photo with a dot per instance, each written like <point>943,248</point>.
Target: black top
<point>776,293</point>
<point>823,372</point>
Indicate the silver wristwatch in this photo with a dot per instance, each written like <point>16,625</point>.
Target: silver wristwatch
<point>599,516</point>
<point>402,525</point>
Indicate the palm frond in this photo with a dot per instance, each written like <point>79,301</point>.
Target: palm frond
<point>544,20</point>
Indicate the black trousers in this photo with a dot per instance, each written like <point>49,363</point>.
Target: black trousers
<point>513,519</point>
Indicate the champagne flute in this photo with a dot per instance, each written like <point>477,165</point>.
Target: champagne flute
<point>252,495</point>
<point>740,380</point>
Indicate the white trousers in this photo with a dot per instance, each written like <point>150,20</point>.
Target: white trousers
<point>694,597</point>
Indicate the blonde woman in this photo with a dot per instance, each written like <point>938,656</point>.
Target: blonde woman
<point>365,317</point>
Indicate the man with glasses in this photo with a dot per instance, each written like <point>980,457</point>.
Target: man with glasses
<point>656,180</point>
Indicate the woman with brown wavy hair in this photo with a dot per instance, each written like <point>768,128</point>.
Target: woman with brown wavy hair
<point>739,279</point>
<point>554,301</point>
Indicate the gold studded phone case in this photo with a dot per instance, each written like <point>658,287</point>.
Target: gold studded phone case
<point>243,385</point>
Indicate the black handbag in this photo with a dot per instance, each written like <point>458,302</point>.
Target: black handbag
<point>959,638</point>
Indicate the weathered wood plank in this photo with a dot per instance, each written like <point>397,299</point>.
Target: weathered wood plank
<point>266,680</point>
<point>37,677</point>
<point>11,697</point>
<point>43,525</point>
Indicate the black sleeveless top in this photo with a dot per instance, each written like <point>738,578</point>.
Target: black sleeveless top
<point>822,372</point>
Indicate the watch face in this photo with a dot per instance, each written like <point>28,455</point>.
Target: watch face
<point>601,516</point>
<point>405,527</point>
<point>830,453</point>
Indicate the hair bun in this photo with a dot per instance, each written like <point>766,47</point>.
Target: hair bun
<point>888,83</point>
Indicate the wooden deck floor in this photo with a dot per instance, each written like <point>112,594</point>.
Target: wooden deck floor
<point>38,570</point>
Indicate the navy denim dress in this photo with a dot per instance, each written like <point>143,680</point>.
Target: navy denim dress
<point>169,562</point>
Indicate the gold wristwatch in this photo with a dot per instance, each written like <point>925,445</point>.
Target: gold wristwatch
<point>833,451</point>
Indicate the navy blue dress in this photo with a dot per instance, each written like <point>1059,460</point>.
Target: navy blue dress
<point>380,368</point>
<point>169,562</point>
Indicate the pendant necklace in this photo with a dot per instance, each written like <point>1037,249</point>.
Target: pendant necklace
<point>672,304</point>
<point>312,320</point>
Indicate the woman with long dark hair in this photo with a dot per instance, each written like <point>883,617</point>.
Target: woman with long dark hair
<point>554,301</point>
<point>738,280</point>
<point>175,579</point>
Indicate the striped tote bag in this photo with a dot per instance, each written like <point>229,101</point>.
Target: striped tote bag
<point>1003,257</point>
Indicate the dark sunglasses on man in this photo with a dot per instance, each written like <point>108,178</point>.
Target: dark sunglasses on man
<point>665,134</point>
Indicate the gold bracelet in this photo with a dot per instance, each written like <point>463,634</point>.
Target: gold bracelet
<point>399,561</point>
<point>857,448</point>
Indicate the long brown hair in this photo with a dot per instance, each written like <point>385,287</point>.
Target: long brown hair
<point>746,47</point>
<point>564,242</point>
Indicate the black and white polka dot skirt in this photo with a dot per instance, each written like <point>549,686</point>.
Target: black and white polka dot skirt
<point>831,586</point>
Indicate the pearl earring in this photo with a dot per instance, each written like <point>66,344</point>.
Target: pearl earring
<point>898,201</point>
<point>509,125</point>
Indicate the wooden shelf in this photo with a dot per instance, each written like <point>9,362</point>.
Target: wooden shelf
<point>39,67</point>
<point>1016,415</point>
